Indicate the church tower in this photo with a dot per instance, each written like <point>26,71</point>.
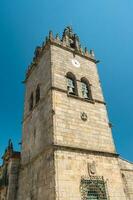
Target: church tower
<point>68,151</point>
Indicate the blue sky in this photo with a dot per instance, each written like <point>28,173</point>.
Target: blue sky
<point>105,26</point>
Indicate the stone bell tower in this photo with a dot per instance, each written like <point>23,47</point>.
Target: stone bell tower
<point>68,151</point>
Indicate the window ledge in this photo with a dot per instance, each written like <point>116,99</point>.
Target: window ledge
<point>77,97</point>
<point>80,98</point>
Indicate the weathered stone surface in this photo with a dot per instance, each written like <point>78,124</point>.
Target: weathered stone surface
<point>126,168</point>
<point>71,166</point>
<point>70,130</point>
<point>9,173</point>
<point>66,138</point>
<point>36,180</point>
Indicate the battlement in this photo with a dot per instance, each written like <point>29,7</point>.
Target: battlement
<point>69,41</point>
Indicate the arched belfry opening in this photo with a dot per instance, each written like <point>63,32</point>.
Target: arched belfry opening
<point>86,88</point>
<point>71,84</point>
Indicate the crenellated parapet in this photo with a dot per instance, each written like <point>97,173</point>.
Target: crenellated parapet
<point>69,41</point>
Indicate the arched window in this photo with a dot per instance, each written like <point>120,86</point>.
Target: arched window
<point>86,90</point>
<point>31,102</point>
<point>71,84</point>
<point>37,94</point>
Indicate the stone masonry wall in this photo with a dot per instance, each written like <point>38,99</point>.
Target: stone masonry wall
<point>127,176</point>
<point>37,124</point>
<point>71,166</point>
<point>56,141</point>
<point>13,170</point>
<point>36,180</point>
<point>69,128</point>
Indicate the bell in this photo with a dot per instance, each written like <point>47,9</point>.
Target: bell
<point>70,86</point>
<point>70,90</point>
<point>85,95</point>
<point>84,91</point>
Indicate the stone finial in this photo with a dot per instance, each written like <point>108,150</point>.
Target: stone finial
<point>46,39</point>
<point>67,40</point>
<point>50,35</point>
<point>68,31</point>
<point>64,40</point>
<point>80,49</point>
<point>57,37</point>
<point>70,39</point>
<point>37,54</point>
<point>92,53</point>
<point>86,52</point>
<point>10,145</point>
<point>76,42</point>
<point>38,51</point>
<point>45,42</point>
<point>8,151</point>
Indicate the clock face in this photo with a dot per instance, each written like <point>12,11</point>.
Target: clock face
<point>75,63</point>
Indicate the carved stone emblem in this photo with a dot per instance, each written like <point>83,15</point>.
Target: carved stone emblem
<point>92,169</point>
<point>84,116</point>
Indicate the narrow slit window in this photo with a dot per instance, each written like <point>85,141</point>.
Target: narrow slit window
<point>31,102</point>
<point>37,94</point>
